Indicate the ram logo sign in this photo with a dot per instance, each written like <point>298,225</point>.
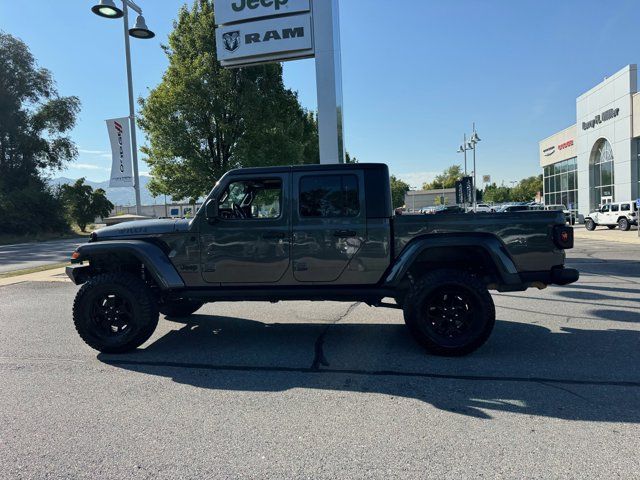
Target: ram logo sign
<point>262,41</point>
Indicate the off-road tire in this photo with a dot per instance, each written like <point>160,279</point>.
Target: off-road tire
<point>179,308</point>
<point>590,225</point>
<point>624,224</point>
<point>142,306</point>
<point>421,301</point>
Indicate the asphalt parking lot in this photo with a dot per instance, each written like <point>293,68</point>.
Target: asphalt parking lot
<point>331,390</point>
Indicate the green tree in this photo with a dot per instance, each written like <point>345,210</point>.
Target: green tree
<point>398,191</point>
<point>84,204</point>
<point>526,189</point>
<point>497,194</point>
<point>203,120</point>
<point>34,122</point>
<point>446,179</point>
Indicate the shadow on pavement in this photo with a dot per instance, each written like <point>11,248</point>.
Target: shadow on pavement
<point>528,369</point>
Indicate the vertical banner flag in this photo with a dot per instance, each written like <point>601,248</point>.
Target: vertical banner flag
<point>121,167</point>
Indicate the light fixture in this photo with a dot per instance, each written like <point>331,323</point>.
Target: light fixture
<point>140,30</point>
<point>475,138</point>
<point>107,9</point>
<point>470,145</point>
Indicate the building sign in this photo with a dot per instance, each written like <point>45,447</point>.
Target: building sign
<point>549,151</point>
<point>564,145</point>
<point>232,11</point>
<point>246,37</point>
<point>598,119</point>
<point>121,166</point>
<point>486,179</point>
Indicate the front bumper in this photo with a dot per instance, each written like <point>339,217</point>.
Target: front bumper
<point>78,273</point>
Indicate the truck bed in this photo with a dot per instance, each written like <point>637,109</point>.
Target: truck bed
<point>527,235</point>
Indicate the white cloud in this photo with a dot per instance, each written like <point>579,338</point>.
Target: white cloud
<point>93,152</point>
<point>88,166</point>
<point>416,179</point>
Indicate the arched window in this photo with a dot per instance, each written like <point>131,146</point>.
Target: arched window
<point>602,175</point>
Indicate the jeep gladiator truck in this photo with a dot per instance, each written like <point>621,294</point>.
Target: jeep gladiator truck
<point>315,232</point>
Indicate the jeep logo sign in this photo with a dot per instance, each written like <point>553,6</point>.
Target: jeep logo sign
<point>265,40</point>
<point>231,11</point>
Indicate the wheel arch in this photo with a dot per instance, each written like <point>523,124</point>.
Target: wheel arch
<point>478,250</point>
<point>124,252</point>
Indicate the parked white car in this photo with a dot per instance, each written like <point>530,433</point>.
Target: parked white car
<point>481,208</point>
<point>612,215</point>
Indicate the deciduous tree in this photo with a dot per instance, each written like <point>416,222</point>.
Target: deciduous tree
<point>34,126</point>
<point>203,119</point>
<point>84,204</point>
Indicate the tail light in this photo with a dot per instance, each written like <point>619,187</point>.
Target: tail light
<point>563,236</point>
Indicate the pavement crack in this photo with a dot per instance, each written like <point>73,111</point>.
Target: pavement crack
<point>319,358</point>
<point>564,389</point>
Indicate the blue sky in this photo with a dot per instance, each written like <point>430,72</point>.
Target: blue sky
<point>416,73</point>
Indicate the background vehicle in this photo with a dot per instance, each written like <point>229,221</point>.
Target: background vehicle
<point>612,215</point>
<point>513,208</point>
<point>567,213</point>
<point>316,232</point>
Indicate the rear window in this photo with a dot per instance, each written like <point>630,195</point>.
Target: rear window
<point>625,207</point>
<point>329,196</point>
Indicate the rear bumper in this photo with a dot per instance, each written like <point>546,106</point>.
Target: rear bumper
<point>556,276</point>
<point>78,273</point>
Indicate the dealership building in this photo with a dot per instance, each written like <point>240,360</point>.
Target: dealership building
<point>596,160</point>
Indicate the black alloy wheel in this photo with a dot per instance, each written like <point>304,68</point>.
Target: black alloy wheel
<point>449,312</point>
<point>115,312</point>
<point>589,224</point>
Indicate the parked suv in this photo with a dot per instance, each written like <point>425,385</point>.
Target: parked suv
<point>620,214</point>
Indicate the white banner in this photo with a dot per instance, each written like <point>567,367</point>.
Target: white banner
<point>230,11</point>
<point>270,40</point>
<point>121,166</point>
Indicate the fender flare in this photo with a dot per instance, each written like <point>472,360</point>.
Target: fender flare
<point>151,256</point>
<point>489,243</point>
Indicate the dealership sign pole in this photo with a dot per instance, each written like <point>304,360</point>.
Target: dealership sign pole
<point>252,32</point>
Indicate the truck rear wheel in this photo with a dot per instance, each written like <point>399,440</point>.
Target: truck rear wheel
<point>115,312</point>
<point>449,312</point>
<point>179,308</point>
<point>623,224</point>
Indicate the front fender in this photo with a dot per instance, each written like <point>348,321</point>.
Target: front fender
<point>151,256</point>
<point>490,244</point>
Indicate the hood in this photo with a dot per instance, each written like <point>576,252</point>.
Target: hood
<point>142,228</point>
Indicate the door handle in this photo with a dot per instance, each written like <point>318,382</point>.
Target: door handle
<point>274,235</point>
<point>344,233</point>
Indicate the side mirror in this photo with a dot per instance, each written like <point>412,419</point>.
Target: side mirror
<point>212,210</point>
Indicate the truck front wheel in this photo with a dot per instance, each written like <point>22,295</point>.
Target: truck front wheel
<point>115,312</point>
<point>449,312</point>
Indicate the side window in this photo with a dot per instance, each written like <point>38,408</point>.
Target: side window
<point>327,196</point>
<point>625,207</point>
<point>251,200</point>
<point>615,208</point>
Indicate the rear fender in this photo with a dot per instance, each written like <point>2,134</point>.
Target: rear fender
<point>151,256</point>
<point>494,249</point>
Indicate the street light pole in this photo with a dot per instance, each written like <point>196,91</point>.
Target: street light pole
<point>132,112</point>
<point>108,9</point>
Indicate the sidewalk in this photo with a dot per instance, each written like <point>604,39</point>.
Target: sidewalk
<point>606,235</point>
<point>53,275</point>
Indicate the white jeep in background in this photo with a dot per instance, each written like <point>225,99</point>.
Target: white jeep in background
<point>612,215</point>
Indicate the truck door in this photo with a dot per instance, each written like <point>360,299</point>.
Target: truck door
<point>250,241</point>
<point>328,223</point>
